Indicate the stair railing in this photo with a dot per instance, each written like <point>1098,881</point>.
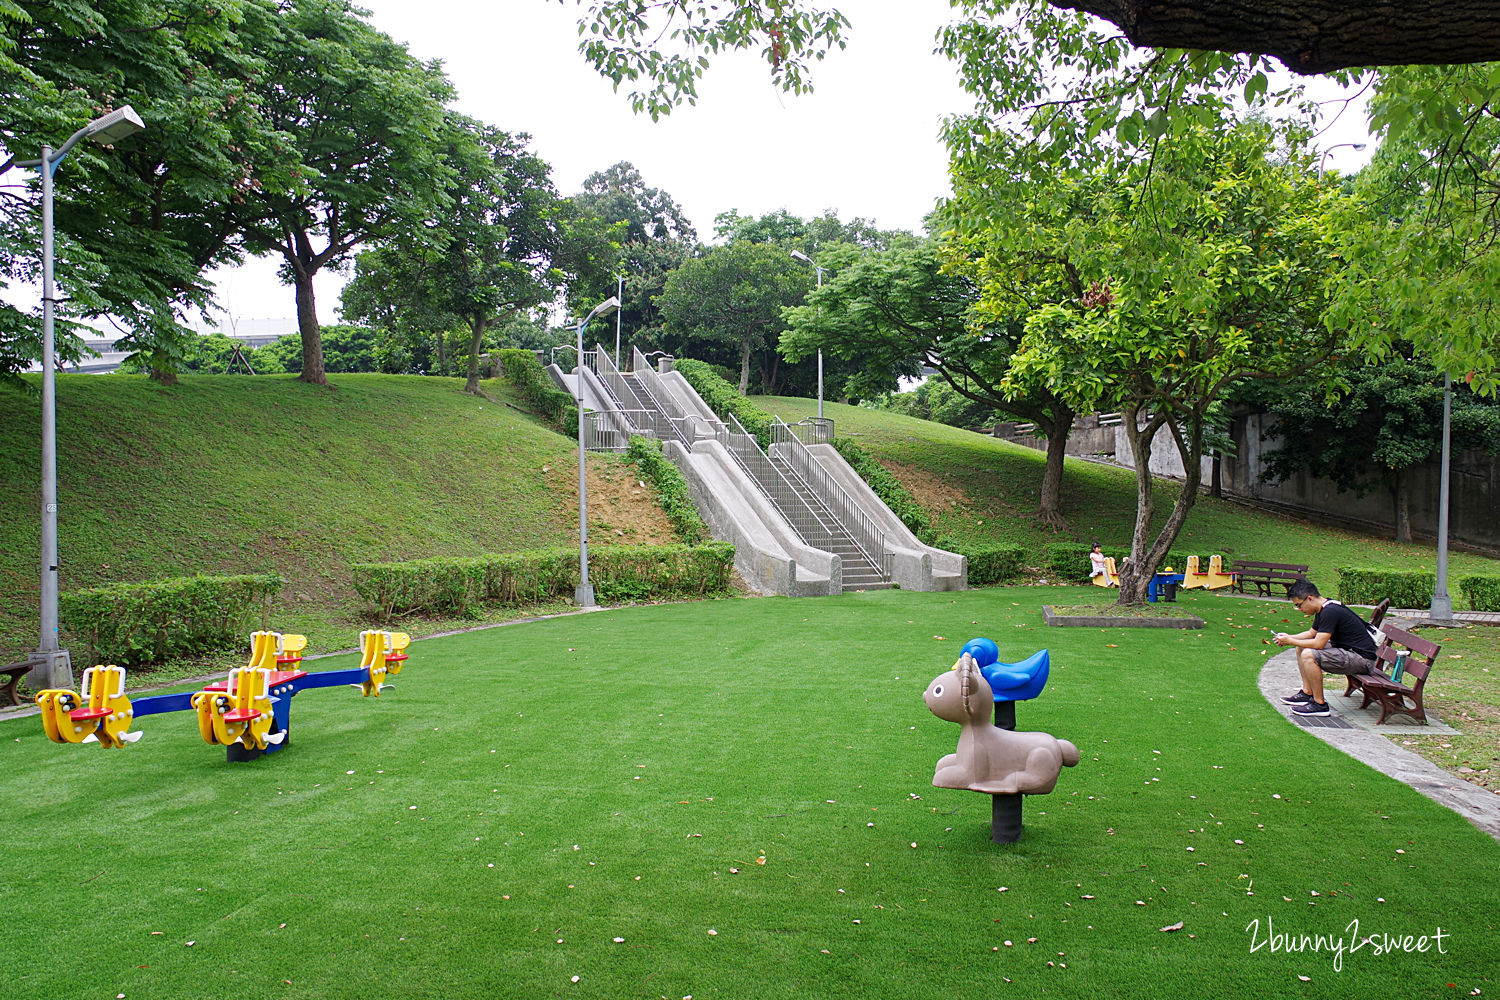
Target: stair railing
<point>866,532</point>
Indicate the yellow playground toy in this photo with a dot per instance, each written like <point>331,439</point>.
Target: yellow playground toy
<point>1109,578</point>
<point>1214,579</point>
<point>249,713</point>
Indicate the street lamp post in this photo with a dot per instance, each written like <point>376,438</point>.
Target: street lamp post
<point>619,317</point>
<point>51,665</point>
<point>1441,608</point>
<point>1342,145</point>
<point>804,258</point>
<point>584,595</point>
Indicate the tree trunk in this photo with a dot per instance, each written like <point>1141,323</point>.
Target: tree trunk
<point>477,327</point>
<point>1402,491</point>
<point>744,367</point>
<point>442,353</point>
<point>1049,511</point>
<point>1135,576</point>
<point>307,324</point>
<point>1216,478</point>
<point>1313,36</point>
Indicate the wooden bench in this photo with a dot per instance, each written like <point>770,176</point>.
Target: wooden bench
<point>1263,575</point>
<point>1393,695</point>
<point>13,672</point>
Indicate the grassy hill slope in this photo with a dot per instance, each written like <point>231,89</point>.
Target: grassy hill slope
<point>227,474</point>
<point>979,489</point>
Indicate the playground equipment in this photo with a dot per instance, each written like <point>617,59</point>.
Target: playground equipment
<point>992,757</point>
<point>249,713</point>
<point>1110,577</point>
<point>1212,580</point>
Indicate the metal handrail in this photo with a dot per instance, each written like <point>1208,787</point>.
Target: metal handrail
<point>611,430</point>
<point>866,532</point>
<point>645,418</point>
<point>814,529</point>
<point>819,430</point>
<point>655,391</point>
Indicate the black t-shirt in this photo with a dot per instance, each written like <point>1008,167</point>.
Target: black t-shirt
<point>1345,628</point>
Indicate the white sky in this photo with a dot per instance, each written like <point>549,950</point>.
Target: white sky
<point>864,143</point>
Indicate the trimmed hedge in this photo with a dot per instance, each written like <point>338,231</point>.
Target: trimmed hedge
<point>1067,560</point>
<point>724,399</point>
<point>135,624</point>
<point>989,563</point>
<point>1358,585</point>
<point>522,370</point>
<point>887,487</point>
<point>1481,592</point>
<point>460,586</point>
<point>671,488</point>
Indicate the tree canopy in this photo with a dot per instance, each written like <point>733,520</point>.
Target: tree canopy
<point>735,295</point>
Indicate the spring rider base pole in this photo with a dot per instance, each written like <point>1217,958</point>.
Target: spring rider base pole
<point>1005,810</point>
<point>1005,819</point>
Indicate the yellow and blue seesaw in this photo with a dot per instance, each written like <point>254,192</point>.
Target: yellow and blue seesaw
<point>249,712</point>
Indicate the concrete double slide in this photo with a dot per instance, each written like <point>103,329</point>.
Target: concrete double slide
<point>769,553</point>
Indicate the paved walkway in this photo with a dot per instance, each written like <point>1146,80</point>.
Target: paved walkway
<point>1353,732</point>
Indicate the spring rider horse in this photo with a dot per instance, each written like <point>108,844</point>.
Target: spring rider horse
<point>991,756</point>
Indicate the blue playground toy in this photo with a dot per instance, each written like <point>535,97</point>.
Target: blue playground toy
<point>1010,681</point>
<point>248,713</point>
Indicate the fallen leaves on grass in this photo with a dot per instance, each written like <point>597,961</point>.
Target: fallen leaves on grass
<point>1172,927</point>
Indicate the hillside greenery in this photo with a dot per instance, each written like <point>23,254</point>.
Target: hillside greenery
<point>226,474</point>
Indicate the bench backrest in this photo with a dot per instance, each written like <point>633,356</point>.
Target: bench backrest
<point>1423,652</point>
<point>1242,564</point>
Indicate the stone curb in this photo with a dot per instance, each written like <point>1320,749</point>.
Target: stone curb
<point>1107,621</point>
<point>1279,676</point>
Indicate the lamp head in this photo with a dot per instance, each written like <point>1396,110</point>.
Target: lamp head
<point>111,128</point>
<point>799,255</point>
<point>608,305</point>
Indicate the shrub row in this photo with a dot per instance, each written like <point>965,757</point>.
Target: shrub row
<point>135,624</point>
<point>460,586</point>
<point>671,488</point>
<point>989,563</point>
<point>1406,589</point>
<point>1481,592</point>
<point>887,487</point>
<point>522,370</point>
<point>724,399</point>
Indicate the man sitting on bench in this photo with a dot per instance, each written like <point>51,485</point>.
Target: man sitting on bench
<point>1339,642</point>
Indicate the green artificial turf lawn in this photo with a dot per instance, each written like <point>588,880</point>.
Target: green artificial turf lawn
<point>526,795</point>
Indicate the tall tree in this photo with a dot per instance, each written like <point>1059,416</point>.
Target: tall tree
<point>368,149</point>
<point>890,313</point>
<point>736,295</point>
<point>652,235</point>
<point>488,256</point>
<point>137,225</point>
<point>1214,272</point>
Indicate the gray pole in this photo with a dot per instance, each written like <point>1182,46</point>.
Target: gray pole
<point>619,315</point>
<point>820,353</point>
<point>1442,604</point>
<point>584,595</point>
<point>54,667</point>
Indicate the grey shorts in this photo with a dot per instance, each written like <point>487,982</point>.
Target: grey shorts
<point>1342,661</point>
